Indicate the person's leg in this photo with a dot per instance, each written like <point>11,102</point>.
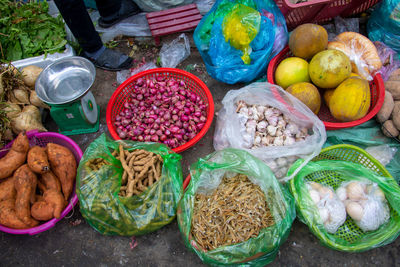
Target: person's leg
<point>79,22</point>
<point>113,11</point>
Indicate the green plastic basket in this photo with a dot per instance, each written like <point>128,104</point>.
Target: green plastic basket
<point>349,237</point>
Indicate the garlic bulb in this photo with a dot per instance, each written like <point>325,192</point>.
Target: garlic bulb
<point>341,193</point>
<point>314,196</point>
<point>323,213</point>
<point>355,191</point>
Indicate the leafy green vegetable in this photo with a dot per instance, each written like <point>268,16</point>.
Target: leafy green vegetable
<point>27,30</point>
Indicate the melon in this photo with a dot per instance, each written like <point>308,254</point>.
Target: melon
<point>307,40</point>
<point>306,93</point>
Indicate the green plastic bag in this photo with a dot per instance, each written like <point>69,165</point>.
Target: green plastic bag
<point>349,237</point>
<point>206,175</point>
<point>111,214</point>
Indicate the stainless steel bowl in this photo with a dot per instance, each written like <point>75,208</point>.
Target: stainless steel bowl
<point>65,80</point>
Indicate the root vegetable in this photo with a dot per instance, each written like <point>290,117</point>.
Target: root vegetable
<point>8,216</point>
<point>12,110</point>
<point>28,119</point>
<point>389,129</point>
<point>21,95</point>
<point>56,200</point>
<point>7,189</point>
<point>25,184</point>
<point>394,88</point>
<point>50,181</point>
<point>15,157</point>
<point>35,100</point>
<point>30,74</point>
<point>42,211</point>
<point>386,109</point>
<point>37,160</point>
<point>63,164</point>
<point>396,115</point>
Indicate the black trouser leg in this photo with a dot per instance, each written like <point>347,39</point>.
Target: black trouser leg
<point>108,7</point>
<point>78,20</point>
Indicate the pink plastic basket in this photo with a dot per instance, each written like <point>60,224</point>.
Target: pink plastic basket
<point>41,139</point>
<point>318,11</point>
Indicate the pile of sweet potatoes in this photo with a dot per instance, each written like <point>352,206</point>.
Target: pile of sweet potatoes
<point>35,183</point>
<point>389,114</point>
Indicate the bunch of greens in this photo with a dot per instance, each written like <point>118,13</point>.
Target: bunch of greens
<point>27,30</point>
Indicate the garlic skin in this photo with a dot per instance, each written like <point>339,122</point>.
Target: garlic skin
<point>315,186</point>
<point>262,126</point>
<point>341,193</point>
<point>271,130</point>
<point>314,196</point>
<point>355,210</point>
<point>326,192</point>
<point>324,214</point>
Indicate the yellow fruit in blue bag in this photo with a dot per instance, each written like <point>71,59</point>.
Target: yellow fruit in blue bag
<point>240,27</point>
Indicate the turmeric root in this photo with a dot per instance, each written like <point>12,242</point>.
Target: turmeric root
<point>63,164</point>
<point>25,184</point>
<point>15,157</point>
<point>7,189</point>
<point>37,160</point>
<point>8,217</point>
<point>50,181</point>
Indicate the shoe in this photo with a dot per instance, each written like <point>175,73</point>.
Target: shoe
<point>128,8</point>
<point>110,60</point>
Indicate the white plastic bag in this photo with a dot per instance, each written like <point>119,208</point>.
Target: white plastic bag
<point>175,52</point>
<point>158,5</point>
<point>123,75</point>
<point>383,153</point>
<point>231,132</point>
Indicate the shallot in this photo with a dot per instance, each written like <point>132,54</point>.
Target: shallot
<point>161,109</point>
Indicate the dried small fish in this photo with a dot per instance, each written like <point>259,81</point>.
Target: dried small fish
<point>235,212</point>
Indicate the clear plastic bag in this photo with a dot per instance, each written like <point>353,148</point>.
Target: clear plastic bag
<point>206,175</point>
<point>123,75</point>
<point>175,52</point>
<point>231,132</point>
<point>390,60</point>
<point>383,153</point>
<point>158,5</point>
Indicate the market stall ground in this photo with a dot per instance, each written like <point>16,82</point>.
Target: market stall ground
<point>72,242</point>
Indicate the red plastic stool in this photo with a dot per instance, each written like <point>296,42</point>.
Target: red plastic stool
<point>173,20</point>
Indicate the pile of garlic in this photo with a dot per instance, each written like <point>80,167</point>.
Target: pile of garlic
<point>365,202</point>
<point>331,210</point>
<point>268,126</point>
<point>280,166</point>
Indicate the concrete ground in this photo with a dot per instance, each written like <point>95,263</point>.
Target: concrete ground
<point>72,242</point>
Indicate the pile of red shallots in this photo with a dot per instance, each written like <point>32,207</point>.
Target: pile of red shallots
<point>161,109</point>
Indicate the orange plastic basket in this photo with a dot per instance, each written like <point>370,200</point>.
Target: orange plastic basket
<point>377,96</point>
<point>318,11</point>
<point>193,83</point>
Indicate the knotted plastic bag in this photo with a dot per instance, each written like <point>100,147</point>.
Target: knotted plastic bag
<point>111,214</point>
<point>206,175</point>
<point>233,46</point>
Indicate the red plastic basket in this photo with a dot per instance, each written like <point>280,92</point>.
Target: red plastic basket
<point>193,83</point>
<point>317,11</point>
<point>377,96</point>
<point>41,139</point>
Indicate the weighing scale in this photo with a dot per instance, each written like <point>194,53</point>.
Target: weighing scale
<point>64,85</point>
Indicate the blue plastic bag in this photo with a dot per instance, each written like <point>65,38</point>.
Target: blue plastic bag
<point>384,24</point>
<point>222,60</point>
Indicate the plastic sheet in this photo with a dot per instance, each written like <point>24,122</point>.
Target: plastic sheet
<point>389,58</point>
<point>175,52</point>
<point>110,214</point>
<point>349,237</point>
<point>206,175</point>
<point>231,132</point>
<point>223,61</point>
<point>384,24</point>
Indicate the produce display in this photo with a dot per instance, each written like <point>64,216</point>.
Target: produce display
<point>27,30</point>
<point>235,212</point>
<point>19,102</point>
<point>161,109</point>
<point>343,66</point>
<point>35,184</point>
<point>365,203</point>
<point>389,114</point>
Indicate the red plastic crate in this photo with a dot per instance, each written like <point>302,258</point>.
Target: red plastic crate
<point>318,11</point>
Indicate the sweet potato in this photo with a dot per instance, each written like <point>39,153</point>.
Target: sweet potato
<point>63,164</point>
<point>42,211</point>
<point>8,217</point>
<point>396,115</point>
<point>7,189</point>
<point>389,129</point>
<point>386,109</point>
<point>56,200</point>
<point>25,184</point>
<point>37,160</point>
<point>50,181</point>
<point>15,157</point>
<point>394,88</point>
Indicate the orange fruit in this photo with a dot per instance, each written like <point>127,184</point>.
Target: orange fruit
<point>306,93</point>
<point>291,70</point>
